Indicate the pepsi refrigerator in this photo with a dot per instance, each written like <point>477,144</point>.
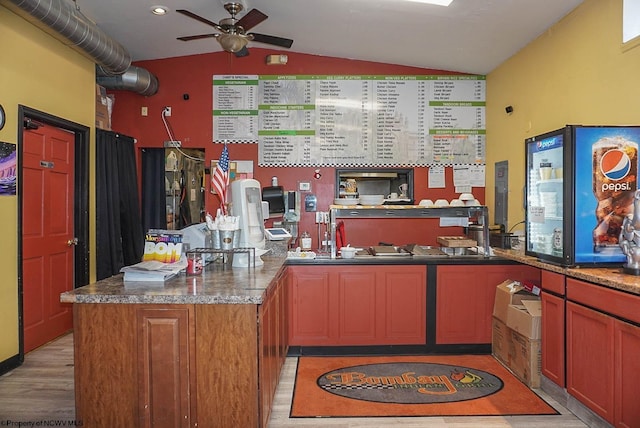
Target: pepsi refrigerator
<point>580,185</point>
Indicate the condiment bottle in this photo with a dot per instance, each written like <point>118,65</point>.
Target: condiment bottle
<point>194,264</point>
<point>305,241</point>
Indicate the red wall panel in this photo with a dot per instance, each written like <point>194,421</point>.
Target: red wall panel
<point>191,120</point>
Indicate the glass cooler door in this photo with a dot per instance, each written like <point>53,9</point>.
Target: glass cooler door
<point>545,198</point>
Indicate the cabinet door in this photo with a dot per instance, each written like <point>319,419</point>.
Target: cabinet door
<point>627,377</point>
<point>553,338</point>
<point>268,356</point>
<point>403,302</point>
<point>283,320</point>
<point>356,305</point>
<point>590,347</point>
<point>166,340</point>
<point>309,320</point>
<point>465,296</point>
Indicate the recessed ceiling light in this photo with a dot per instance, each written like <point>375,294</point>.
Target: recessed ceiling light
<point>437,2</point>
<point>159,10</point>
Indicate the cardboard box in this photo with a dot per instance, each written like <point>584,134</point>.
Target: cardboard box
<point>500,340</point>
<point>521,355</point>
<point>526,318</point>
<point>508,293</point>
<point>525,358</point>
<point>103,111</point>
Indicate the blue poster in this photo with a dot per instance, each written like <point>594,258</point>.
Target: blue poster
<point>606,169</point>
<point>7,169</point>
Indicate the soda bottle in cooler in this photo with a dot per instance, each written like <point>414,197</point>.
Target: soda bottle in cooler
<point>615,180</point>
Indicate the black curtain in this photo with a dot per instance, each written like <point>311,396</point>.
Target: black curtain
<point>119,232</point>
<point>154,200</point>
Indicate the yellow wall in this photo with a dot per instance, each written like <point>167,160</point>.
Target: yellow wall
<point>574,73</point>
<point>39,72</point>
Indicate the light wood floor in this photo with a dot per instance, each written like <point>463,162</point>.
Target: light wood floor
<point>42,390</point>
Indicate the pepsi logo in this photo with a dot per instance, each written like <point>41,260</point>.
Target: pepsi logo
<point>615,164</point>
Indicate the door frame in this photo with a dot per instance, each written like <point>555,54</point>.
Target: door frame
<point>80,203</point>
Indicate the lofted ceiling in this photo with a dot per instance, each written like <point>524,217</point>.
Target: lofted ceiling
<point>470,36</point>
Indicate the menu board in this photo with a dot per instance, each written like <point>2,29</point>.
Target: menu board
<point>353,120</point>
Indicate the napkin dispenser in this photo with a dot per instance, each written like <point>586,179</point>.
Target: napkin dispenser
<point>274,195</point>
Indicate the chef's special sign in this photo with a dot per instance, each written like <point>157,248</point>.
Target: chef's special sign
<point>353,120</point>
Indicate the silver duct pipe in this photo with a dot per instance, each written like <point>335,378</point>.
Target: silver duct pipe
<point>135,79</point>
<point>65,22</point>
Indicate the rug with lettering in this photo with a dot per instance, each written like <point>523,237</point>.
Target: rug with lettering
<point>440,385</point>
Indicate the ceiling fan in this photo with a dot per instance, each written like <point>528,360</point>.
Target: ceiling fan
<point>233,36</point>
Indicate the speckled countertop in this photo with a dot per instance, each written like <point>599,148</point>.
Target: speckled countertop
<point>216,285</point>
<point>229,285</point>
<point>612,277</point>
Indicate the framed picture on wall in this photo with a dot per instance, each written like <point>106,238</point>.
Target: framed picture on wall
<point>7,169</point>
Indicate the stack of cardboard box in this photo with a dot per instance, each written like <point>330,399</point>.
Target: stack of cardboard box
<point>517,316</point>
<point>104,104</point>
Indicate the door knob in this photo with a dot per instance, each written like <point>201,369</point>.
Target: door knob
<point>73,241</point>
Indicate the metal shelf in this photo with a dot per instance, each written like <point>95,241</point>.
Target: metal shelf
<point>227,255</point>
<point>481,213</point>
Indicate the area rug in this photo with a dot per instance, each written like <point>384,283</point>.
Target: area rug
<point>473,385</point>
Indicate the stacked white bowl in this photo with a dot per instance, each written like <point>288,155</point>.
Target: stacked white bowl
<point>371,199</point>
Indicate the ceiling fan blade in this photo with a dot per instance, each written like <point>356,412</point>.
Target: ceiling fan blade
<point>199,36</point>
<point>272,40</point>
<point>199,18</point>
<point>251,19</point>
<point>242,52</point>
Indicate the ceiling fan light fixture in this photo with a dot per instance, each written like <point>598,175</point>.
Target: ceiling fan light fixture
<point>232,42</point>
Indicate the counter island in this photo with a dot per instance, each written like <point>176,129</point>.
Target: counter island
<point>194,351</point>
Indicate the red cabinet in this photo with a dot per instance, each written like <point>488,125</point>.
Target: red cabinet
<point>403,303</point>
<point>310,306</point>
<point>627,374</point>
<point>464,299</point>
<point>553,316</point>
<point>603,368</point>
<point>357,305</point>
<point>589,358</point>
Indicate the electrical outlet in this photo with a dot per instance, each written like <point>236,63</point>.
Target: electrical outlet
<point>166,111</point>
<point>144,111</point>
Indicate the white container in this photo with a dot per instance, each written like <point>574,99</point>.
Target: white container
<point>371,199</point>
<point>305,241</point>
<point>348,252</point>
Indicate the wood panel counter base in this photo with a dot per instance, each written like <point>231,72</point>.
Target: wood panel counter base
<point>179,365</point>
<point>352,309</point>
<point>157,347</point>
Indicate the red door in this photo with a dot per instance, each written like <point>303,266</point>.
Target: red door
<point>47,233</point>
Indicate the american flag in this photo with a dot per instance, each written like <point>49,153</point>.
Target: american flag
<point>220,178</point>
